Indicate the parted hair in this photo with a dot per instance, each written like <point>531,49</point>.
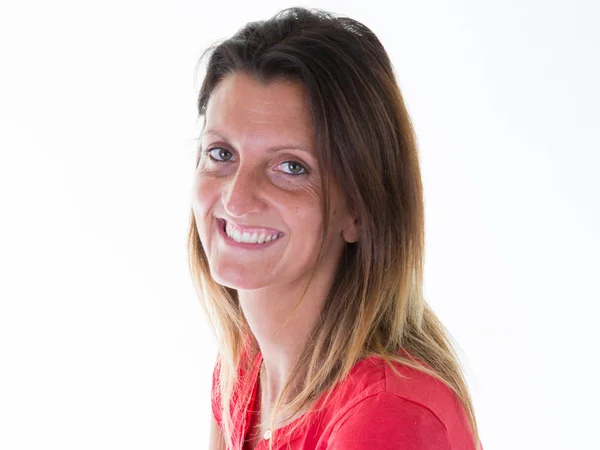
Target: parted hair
<point>365,143</point>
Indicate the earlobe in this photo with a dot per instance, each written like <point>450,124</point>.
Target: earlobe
<point>351,232</point>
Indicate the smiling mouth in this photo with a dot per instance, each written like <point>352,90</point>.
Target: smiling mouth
<point>242,235</point>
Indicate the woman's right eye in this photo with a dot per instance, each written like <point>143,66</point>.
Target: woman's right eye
<point>219,154</point>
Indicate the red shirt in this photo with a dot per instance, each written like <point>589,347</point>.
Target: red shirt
<point>372,408</point>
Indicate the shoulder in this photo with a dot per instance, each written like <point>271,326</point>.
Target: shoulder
<point>385,421</point>
<point>245,379</point>
<point>215,393</point>
<point>375,407</point>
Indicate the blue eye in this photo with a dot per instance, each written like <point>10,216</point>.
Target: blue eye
<point>219,154</point>
<point>294,168</point>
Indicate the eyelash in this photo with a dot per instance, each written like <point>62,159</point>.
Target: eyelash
<point>209,153</point>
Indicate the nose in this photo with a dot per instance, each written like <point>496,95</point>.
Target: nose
<point>243,194</point>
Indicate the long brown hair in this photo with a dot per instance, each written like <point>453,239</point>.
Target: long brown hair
<point>366,144</point>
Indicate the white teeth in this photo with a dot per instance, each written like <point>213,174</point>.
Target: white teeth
<point>247,237</point>
<point>237,235</point>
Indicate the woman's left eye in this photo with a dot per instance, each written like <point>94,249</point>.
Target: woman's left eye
<point>293,168</point>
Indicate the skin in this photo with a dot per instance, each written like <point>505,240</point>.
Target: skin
<point>243,181</point>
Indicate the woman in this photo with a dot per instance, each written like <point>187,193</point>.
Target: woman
<point>306,246</point>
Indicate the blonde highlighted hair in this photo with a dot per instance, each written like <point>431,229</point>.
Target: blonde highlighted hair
<point>365,144</point>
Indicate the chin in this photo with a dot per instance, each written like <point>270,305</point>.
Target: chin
<point>237,279</point>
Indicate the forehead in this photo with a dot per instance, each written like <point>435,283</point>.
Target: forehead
<point>243,108</point>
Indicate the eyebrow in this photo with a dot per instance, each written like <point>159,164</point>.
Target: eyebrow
<point>270,149</point>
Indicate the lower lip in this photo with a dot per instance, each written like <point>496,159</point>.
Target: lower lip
<point>244,245</point>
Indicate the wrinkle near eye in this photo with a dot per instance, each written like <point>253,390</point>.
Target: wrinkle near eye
<point>299,185</point>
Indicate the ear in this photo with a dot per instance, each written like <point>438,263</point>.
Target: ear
<point>351,229</point>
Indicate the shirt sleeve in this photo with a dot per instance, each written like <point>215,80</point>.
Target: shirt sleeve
<point>387,422</point>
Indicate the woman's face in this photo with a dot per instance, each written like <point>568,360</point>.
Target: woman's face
<point>257,193</point>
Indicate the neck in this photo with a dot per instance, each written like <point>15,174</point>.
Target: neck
<point>281,329</point>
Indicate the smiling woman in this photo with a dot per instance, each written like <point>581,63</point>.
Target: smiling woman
<point>306,245</point>
<point>257,181</point>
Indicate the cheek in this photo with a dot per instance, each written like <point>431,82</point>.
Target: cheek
<point>306,199</point>
<point>303,213</point>
<point>309,195</point>
<point>206,188</point>
<point>205,193</point>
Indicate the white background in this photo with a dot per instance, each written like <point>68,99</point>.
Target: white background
<point>103,343</point>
